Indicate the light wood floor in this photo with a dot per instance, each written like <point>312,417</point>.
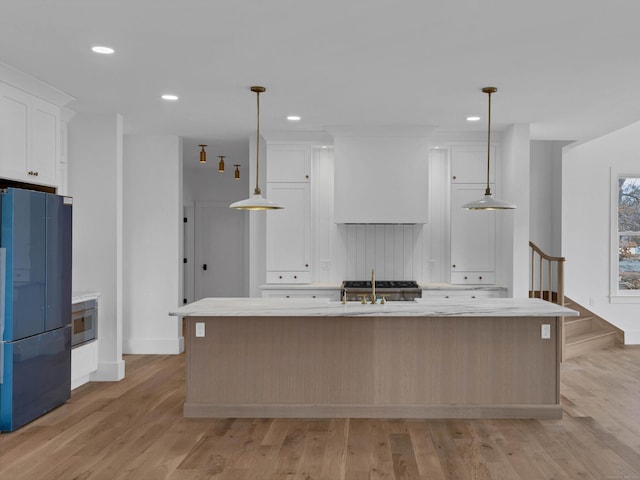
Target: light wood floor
<point>134,429</point>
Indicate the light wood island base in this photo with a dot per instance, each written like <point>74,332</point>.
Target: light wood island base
<point>373,367</point>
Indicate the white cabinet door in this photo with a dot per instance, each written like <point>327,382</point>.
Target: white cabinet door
<point>289,231</point>
<point>29,132</point>
<point>473,238</point>
<point>45,121</point>
<point>469,164</point>
<point>288,163</point>
<point>14,107</point>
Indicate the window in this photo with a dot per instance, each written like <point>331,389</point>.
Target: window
<point>628,235</point>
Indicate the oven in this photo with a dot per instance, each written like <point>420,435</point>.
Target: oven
<point>84,322</point>
<point>391,290</point>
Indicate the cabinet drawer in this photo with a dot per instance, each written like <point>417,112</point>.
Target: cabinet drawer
<point>461,294</point>
<point>473,278</point>
<point>335,296</point>
<point>288,277</point>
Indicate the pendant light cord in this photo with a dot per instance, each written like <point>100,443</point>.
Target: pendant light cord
<point>488,190</point>
<point>257,189</point>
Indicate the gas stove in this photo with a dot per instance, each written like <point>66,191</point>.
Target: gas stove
<point>391,290</point>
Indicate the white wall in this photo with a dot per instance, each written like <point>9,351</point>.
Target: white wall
<point>586,222</point>
<point>513,242</point>
<point>95,183</point>
<point>153,233</point>
<point>545,223</point>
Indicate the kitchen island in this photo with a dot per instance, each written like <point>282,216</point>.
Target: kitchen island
<point>268,357</point>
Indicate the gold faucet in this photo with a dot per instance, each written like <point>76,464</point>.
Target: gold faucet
<point>373,286</point>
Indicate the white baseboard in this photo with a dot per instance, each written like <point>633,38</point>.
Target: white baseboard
<point>154,346</point>
<point>108,372</point>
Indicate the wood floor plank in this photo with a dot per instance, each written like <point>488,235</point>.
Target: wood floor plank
<point>134,429</point>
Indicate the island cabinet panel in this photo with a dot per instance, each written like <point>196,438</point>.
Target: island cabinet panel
<point>384,366</point>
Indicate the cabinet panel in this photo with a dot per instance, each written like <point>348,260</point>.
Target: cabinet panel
<point>288,163</point>
<point>13,134</point>
<point>44,142</point>
<point>469,164</point>
<point>473,247</point>
<point>289,230</point>
<point>29,130</point>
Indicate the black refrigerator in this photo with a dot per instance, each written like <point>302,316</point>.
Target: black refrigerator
<point>35,304</point>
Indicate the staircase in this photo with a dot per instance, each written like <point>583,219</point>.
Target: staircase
<point>585,333</point>
<point>588,332</point>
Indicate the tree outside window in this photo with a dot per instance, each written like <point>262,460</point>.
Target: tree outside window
<point>629,234</point>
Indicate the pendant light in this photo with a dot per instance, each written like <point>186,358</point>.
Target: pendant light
<point>236,174</point>
<point>203,154</point>
<point>221,163</point>
<point>488,202</point>
<point>256,201</point>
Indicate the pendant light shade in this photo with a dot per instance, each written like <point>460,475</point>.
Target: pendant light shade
<point>488,202</point>
<point>256,201</point>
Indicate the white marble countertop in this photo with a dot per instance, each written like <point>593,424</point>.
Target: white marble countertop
<point>77,297</point>
<point>292,307</point>
<point>338,285</point>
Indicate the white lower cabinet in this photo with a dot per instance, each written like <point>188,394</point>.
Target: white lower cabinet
<point>473,238</point>
<point>331,295</point>
<point>288,238</point>
<point>463,294</point>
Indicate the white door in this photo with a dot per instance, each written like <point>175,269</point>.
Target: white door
<point>219,252</point>
<point>189,254</point>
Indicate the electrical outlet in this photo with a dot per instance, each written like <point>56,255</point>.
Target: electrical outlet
<point>199,329</point>
<point>545,331</point>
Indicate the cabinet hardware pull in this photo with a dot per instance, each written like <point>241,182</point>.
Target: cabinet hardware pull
<point>454,266</point>
<point>279,276</point>
<point>454,177</point>
<point>306,264</point>
<point>465,278</point>
<point>295,276</point>
<point>306,176</point>
<point>480,278</point>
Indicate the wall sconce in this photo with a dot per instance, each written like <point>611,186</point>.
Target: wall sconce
<point>221,163</point>
<point>236,175</point>
<point>203,154</point>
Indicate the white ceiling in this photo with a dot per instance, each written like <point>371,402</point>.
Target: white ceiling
<point>569,68</point>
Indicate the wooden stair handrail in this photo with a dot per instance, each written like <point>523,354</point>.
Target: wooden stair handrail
<point>559,261</point>
<point>544,255</point>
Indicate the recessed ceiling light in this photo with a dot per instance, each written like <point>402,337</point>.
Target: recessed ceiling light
<point>169,97</point>
<point>473,119</point>
<point>102,49</point>
<point>293,118</point>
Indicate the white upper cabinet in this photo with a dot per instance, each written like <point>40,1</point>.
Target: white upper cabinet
<point>29,137</point>
<point>473,238</point>
<point>289,233</point>
<point>288,163</point>
<point>469,164</point>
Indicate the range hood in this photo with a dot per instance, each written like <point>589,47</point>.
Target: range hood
<point>381,176</point>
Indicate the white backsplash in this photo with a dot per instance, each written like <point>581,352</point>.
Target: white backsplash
<point>394,251</point>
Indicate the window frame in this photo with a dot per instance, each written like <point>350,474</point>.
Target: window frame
<point>616,295</point>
